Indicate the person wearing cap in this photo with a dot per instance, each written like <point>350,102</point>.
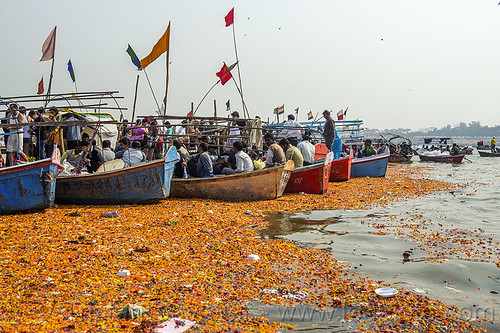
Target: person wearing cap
<point>292,130</point>
<point>328,130</point>
<point>235,126</point>
<point>493,144</point>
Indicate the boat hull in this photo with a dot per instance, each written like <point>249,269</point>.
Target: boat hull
<point>312,179</point>
<point>143,183</point>
<point>341,169</point>
<point>397,158</point>
<point>265,184</point>
<point>488,154</point>
<point>442,159</point>
<point>27,187</point>
<point>372,166</point>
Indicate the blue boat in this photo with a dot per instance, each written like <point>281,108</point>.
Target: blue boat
<point>27,187</point>
<point>372,166</point>
<point>141,183</point>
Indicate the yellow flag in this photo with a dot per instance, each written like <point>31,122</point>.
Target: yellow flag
<point>160,47</point>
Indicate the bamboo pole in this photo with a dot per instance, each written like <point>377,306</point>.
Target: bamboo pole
<point>168,60</point>
<point>42,97</point>
<point>239,73</point>
<point>135,98</point>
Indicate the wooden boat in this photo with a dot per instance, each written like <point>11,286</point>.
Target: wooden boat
<point>265,184</point>
<point>341,169</point>
<point>467,150</point>
<point>442,158</point>
<point>141,183</point>
<point>27,187</point>
<point>399,158</point>
<point>312,179</point>
<point>372,166</point>
<point>484,153</point>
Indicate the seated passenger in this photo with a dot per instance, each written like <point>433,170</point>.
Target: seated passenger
<point>275,155</point>
<point>107,152</point>
<point>123,146</point>
<point>204,168</point>
<point>455,150</point>
<point>243,161</point>
<point>307,150</point>
<point>78,157</point>
<point>368,149</point>
<point>134,155</point>
<point>292,153</point>
<point>258,164</point>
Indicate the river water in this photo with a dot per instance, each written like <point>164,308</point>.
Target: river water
<point>450,238</point>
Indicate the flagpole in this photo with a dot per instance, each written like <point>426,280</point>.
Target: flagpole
<point>239,73</point>
<point>168,60</point>
<point>135,98</point>
<point>51,68</point>
<point>209,90</point>
<point>241,94</point>
<point>152,91</point>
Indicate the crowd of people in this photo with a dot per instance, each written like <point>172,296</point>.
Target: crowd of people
<point>204,149</point>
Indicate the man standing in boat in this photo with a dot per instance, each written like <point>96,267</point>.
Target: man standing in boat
<point>292,130</point>
<point>329,130</point>
<point>493,145</point>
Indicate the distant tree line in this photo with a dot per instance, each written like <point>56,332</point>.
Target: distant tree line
<point>473,129</point>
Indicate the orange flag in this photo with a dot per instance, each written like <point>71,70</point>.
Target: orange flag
<point>49,46</point>
<point>160,47</point>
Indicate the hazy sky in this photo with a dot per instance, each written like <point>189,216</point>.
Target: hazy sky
<point>394,63</point>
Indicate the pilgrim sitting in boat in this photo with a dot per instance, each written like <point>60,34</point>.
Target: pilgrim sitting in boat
<point>243,162</point>
<point>134,154</point>
<point>368,149</point>
<point>292,153</point>
<point>275,155</point>
<point>75,161</point>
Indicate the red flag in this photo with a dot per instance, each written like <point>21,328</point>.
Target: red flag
<point>224,74</point>
<point>49,46</point>
<point>340,115</point>
<point>40,87</point>
<point>190,113</point>
<point>229,18</point>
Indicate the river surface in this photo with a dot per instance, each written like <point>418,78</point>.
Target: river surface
<point>464,276</point>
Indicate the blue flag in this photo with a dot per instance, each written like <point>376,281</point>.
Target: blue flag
<point>133,57</point>
<point>71,71</point>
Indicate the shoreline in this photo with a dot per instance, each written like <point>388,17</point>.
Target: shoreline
<point>188,258</point>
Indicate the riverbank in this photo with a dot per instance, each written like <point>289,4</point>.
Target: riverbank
<point>189,258</point>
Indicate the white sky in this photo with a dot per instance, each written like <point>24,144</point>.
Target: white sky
<point>438,62</point>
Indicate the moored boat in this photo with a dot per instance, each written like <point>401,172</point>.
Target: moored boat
<point>371,166</point>
<point>141,183</point>
<point>312,179</point>
<point>340,169</point>
<point>484,153</point>
<point>442,158</point>
<point>27,187</point>
<point>265,184</point>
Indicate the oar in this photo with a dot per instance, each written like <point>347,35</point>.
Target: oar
<point>468,159</point>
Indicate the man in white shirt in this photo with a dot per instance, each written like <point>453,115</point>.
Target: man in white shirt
<point>292,130</point>
<point>307,149</point>
<point>134,155</point>
<point>243,162</point>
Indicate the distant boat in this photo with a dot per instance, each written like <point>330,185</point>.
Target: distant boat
<point>312,179</point>
<point>27,187</point>
<point>400,158</point>
<point>372,166</point>
<point>399,146</point>
<point>467,150</point>
<point>341,169</point>
<point>264,184</point>
<point>442,158</point>
<point>140,183</point>
<point>484,153</point>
